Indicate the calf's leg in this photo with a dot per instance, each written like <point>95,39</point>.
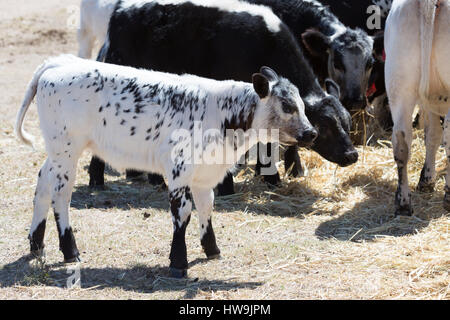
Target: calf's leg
<point>180,206</point>
<point>41,204</point>
<point>292,162</point>
<point>265,164</point>
<point>85,41</point>
<point>96,172</point>
<point>64,168</point>
<point>204,201</point>
<point>433,137</point>
<point>227,186</point>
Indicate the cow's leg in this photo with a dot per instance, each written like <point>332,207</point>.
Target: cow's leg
<point>64,168</point>
<point>292,162</point>
<point>85,41</point>
<point>401,139</point>
<point>96,172</point>
<point>156,179</point>
<point>433,138</point>
<point>265,162</point>
<point>42,199</point>
<point>447,150</point>
<point>227,186</point>
<point>204,201</point>
<point>180,205</point>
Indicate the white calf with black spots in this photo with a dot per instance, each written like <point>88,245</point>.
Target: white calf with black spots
<point>418,72</point>
<point>132,119</point>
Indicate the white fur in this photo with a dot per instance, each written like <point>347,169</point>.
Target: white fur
<point>272,21</point>
<point>418,72</point>
<point>94,20</point>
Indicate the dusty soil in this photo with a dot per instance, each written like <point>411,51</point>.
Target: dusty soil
<point>330,235</point>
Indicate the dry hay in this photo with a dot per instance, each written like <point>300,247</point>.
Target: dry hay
<point>329,235</point>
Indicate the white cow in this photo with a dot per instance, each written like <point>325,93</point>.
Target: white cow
<point>417,44</point>
<point>94,20</point>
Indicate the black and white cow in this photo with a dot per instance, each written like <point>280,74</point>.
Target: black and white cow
<point>225,40</point>
<point>418,72</point>
<point>334,50</point>
<point>149,121</point>
<point>369,15</point>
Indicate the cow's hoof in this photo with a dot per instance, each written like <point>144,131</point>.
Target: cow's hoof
<point>447,201</point>
<point>404,211</point>
<point>72,260</point>
<point>213,256</point>
<point>178,273</point>
<point>37,254</point>
<point>425,187</point>
<point>98,187</point>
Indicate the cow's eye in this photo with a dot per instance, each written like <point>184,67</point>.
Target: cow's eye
<point>288,108</point>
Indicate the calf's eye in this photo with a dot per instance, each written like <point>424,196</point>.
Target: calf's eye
<point>288,108</point>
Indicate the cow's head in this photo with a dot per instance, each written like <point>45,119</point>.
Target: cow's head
<point>281,108</point>
<point>349,60</point>
<point>333,122</point>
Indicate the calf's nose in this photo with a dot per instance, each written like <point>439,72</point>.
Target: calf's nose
<point>351,156</point>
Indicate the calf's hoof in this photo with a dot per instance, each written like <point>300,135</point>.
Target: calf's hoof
<point>37,254</point>
<point>404,211</point>
<point>213,256</point>
<point>98,187</point>
<point>425,187</point>
<point>447,201</point>
<point>272,181</point>
<point>177,273</point>
<point>72,259</point>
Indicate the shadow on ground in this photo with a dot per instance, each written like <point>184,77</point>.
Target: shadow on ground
<point>374,217</point>
<point>29,272</point>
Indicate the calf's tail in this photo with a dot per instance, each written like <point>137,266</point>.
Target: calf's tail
<point>19,131</point>
<point>428,11</point>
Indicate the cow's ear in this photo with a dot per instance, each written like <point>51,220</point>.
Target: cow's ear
<point>315,42</point>
<point>261,85</point>
<point>333,88</point>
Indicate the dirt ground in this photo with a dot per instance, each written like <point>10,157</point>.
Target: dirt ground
<point>329,235</point>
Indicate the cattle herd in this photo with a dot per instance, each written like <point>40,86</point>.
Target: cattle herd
<point>237,71</point>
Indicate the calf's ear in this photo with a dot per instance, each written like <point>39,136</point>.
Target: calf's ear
<point>333,88</point>
<point>261,85</point>
<point>315,42</point>
<point>269,74</point>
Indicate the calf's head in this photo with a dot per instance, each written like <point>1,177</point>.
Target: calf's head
<point>282,108</point>
<point>348,59</point>
<point>333,122</point>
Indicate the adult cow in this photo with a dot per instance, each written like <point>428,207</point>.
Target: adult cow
<point>418,72</point>
<point>225,41</point>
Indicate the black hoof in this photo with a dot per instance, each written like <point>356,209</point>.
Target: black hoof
<point>98,187</point>
<point>72,260</point>
<point>178,273</point>
<point>37,254</point>
<point>404,211</point>
<point>214,256</point>
<point>273,181</point>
